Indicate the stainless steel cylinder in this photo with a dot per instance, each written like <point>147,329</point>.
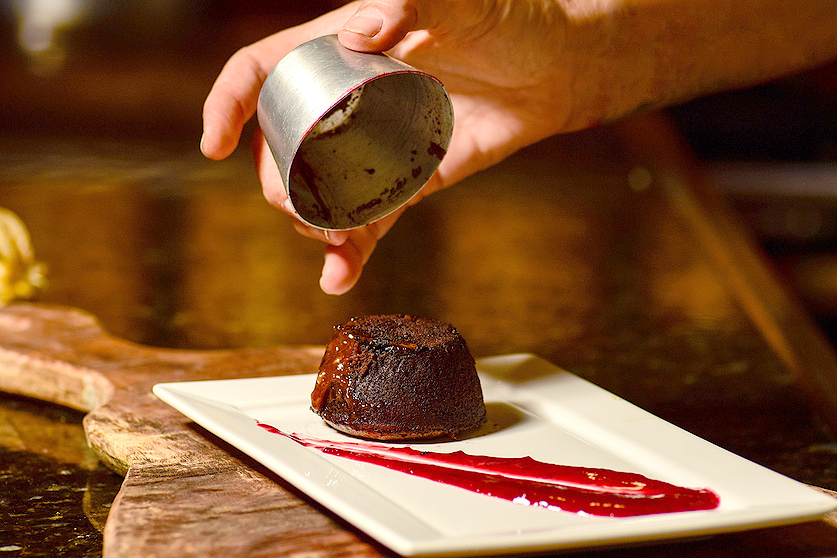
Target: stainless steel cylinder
<point>354,135</point>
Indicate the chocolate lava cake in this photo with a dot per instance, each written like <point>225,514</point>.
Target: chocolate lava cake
<point>398,378</point>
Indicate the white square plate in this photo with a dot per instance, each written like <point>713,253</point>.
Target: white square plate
<point>534,409</point>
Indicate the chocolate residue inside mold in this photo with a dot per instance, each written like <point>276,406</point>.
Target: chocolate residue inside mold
<point>337,119</point>
<point>310,179</point>
<point>436,150</point>
<point>399,186</point>
<point>368,205</point>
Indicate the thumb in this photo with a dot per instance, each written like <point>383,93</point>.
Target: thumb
<point>378,25</point>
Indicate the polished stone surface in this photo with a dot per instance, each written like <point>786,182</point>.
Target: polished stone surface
<point>55,493</point>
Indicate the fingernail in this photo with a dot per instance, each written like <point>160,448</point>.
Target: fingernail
<point>289,206</point>
<point>366,25</point>
<point>335,238</point>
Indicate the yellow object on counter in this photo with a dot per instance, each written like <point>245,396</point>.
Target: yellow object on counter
<point>21,277</point>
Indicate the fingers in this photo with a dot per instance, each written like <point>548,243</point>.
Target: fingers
<point>272,185</point>
<point>231,102</point>
<point>369,25</point>
<point>274,192</point>
<point>343,264</point>
<point>341,269</point>
<point>233,98</point>
<point>378,25</point>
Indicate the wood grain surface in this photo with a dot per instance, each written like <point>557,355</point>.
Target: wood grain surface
<point>185,493</point>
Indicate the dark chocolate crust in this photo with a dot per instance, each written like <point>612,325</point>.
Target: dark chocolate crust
<point>398,377</point>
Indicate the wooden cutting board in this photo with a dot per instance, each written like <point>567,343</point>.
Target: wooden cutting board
<point>187,493</point>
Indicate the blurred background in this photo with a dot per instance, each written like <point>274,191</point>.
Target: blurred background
<point>77,69</point>
<point>773,150</point>
<point>111,67</point>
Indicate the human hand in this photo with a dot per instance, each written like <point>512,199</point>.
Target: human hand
<point>500,62</point>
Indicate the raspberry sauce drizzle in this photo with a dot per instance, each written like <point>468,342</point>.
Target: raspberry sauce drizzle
<point>525,481</point>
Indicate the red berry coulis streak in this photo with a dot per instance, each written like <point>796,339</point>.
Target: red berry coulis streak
<point>525,481</point>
